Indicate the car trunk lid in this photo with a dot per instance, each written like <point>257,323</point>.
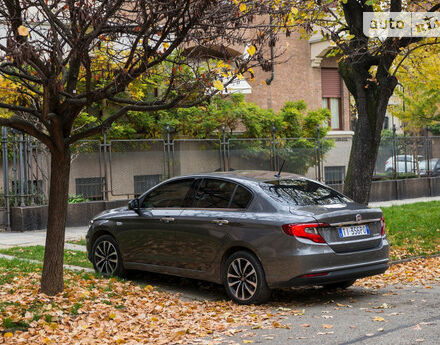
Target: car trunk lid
<point>343,221</point>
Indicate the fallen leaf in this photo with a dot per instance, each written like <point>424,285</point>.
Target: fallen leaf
<point>379,319</point>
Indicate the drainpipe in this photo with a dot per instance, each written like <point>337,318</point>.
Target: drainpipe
<point>6,176</point>
<point>271,45</point>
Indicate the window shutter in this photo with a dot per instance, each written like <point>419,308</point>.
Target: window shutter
<point>331,83</point>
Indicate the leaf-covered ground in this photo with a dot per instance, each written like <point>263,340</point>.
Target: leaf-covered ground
<point>95,310</point>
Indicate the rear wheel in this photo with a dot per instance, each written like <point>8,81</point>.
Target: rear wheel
<point>106,256</point>
<point>244,279</point>
<point>340,285</point>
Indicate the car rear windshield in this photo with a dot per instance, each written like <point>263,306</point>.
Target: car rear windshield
<point>302,192</point>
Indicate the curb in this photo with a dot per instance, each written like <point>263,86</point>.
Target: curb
<point>414,258</point>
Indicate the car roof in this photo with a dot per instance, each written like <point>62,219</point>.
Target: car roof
<point>249,175</point>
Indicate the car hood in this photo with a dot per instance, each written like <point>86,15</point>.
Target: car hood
<point>110,213</point>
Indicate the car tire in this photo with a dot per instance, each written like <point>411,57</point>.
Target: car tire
<point>106,257</point>
<point>244,279</point>
<point>340,285</point>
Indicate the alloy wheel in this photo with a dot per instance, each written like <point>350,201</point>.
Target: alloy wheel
<point>106,257</point>
<point>242,279</point>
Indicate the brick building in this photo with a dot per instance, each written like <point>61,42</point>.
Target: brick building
<point>306,74</point>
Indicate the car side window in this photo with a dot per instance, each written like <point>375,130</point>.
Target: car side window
<point>214,193</point>
<point>169,195</point>
<point>241,199</point>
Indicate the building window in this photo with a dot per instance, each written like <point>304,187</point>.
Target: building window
<point>90,187</point>
<point>334,175</point>
<point>142,183</point>
<point>331,95</point>
<point>334,105</point>
<point>386,123</point>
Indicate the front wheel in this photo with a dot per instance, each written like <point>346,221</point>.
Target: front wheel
<point>106,257</point>
<point>244,279</point>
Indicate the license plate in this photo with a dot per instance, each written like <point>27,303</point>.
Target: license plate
<point>350,231</point>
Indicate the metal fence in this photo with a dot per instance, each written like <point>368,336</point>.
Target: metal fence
<point>118,169</point>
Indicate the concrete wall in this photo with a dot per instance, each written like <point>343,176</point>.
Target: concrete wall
<point>196,157</point>
<point>402,189</point>
<point>35,217</point>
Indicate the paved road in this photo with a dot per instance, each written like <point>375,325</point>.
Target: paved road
<point>403,201</point>
<point>30,238</point>
<point>410,315</point>
<point>404,314</point>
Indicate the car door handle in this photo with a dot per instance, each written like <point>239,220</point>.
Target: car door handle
<point>167,219</point>
<point>220,221</point>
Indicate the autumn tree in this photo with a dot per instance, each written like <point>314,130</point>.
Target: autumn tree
<point>70,59</point>
<point>420,89</point>
<point>368,67</point>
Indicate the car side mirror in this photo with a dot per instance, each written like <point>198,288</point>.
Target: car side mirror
<point>134,205</point>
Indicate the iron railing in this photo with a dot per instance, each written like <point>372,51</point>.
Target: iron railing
<point>111,169</point>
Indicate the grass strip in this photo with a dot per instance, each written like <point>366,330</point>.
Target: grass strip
<point>413,229</point>
<point>71,257</point>
<point>80,242</point>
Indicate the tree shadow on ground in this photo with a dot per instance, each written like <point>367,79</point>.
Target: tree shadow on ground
<point>192,289</point>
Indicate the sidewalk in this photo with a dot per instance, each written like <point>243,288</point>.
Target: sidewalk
<point>28,238</point>
<point>403,201</point>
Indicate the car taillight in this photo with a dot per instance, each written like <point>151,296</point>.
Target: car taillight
<point>309,231</point>
<point>382,226</point>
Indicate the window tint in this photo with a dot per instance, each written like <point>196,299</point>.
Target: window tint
<point>214,193</point>
<point>171,194</point>
<point>242,197</point>
<point>302,192</point>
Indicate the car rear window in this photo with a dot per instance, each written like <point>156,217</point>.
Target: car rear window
<point>214,193</point>
<point>302,192</point>
<point>241,199</point>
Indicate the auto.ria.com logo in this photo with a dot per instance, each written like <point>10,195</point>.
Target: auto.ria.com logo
<point>401,24</point>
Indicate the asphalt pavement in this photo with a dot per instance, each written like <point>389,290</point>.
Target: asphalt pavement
<point>29,238</point>
<point>408,315</point>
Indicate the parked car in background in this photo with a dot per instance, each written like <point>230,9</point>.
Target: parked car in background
<point>251,231</point>
<point>404,164</point>
<point>433,168</point>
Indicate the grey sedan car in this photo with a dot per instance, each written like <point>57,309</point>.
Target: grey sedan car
<point>249,230</point>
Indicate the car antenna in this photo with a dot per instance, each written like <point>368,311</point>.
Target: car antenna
<point>278,176</point>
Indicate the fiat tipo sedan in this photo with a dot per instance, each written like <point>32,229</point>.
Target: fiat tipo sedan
<point>251,231</point>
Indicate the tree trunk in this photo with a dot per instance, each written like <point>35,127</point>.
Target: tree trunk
<point>52,277</point>
<point>371,102</point>
<point>363,155</point>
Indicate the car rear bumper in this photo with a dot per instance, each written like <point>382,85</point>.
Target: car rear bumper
<point>336,276</point>
<point>321,265</point>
